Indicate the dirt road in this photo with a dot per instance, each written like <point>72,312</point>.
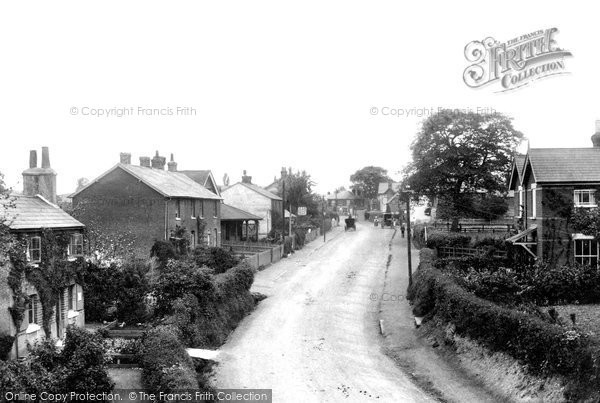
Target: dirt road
<point>316,338</point>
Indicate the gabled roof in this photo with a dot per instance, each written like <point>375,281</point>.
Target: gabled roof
<point>563,165</point>
<point>516,172</point>
<point>202,176</point>
<point>343,195</point>
<point>33,213</point>
<point>384,186</point>
<point>230,213</point>
<point>167,183</point>
<point>256,188</point>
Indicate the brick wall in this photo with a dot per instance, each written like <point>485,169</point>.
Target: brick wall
<point>208,210</point>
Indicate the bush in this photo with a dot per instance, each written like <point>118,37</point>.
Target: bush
<point>166,365</point>
<point>6,344</point>
<point>218,259</point>
<point>163,251</point>
<point>544,348</point>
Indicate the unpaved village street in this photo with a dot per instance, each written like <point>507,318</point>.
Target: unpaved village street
<point>316,337</point>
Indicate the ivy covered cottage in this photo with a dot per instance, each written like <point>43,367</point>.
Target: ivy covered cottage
<point>39,294</point>
<point>552,188</point>
<point>139,204</point>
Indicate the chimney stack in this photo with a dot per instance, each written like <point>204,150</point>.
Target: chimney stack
<point>33,159</point>
<point>145,162</point>
<point>125,158</point>
<point>40,181</point>
<point>158,162</point>
<point>246,178</point>
<point>172,164</point>
<point>596,136</point>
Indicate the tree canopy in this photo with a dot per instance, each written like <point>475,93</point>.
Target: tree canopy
<point>459,154</point>
<point>366,180</point>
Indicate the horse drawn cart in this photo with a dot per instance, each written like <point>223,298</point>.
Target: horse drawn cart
<point>350,223</point>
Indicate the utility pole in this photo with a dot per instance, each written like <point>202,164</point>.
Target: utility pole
<point>283,174</point>
<point>408,193</point>
<point>323,220</point>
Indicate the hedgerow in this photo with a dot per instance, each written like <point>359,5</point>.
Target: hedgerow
<point>545,348</point>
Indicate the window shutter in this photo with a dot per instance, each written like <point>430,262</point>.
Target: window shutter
<point>78,297</point>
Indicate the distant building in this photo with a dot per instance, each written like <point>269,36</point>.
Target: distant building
<point>255,200</point>
<point>27,216</point>
<point>385,193</point>
<point>238,225</point>
<point>345,201</point>
<point>150,203</point>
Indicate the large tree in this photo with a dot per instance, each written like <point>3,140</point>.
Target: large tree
<point>458,154</point>
<point>366,181</point>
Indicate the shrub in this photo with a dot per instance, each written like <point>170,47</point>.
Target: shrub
<point>165,363</point>
<point>6,344</point>
<point>544,347</point>
<point>163,251</point>
<point>218,259</point>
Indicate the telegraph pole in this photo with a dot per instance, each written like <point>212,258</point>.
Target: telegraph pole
<point>408,193</point>
<point>283,174</point>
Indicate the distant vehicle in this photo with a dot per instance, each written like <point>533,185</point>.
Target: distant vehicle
<point>350,224</point>
<point>387,220</point>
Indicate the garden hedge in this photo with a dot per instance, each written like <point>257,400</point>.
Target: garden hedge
<point>545,348</point>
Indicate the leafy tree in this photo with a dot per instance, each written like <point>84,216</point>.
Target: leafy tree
<point>366,181</point>
<point>456,154</point>
<point>81,183</point>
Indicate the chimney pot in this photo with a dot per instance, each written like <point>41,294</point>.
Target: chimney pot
<point>33,159</point>
<point>158,162</point>
<point>172,164</point>
<point>246,178</point>
<point>125,158</point>
<point>45,157</point>
<point>145,162</point>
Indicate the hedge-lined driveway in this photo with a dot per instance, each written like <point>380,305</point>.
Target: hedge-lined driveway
<point>316,338</point>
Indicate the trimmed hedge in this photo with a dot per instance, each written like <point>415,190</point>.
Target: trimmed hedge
<point>166,365</point>
<point>545,348</point>
<point>438,239</point>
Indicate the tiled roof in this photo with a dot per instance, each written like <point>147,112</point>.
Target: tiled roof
<point>520,163</point>
<point>565,164</point>
<point>343,195</point>
<point>258,189</point>
<point>230,213</point>
<point>200,176</point>
<point>34,212</point>
<point>383,187</point>
<point>167,183</point>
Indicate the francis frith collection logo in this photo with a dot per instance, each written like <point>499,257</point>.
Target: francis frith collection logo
<point>514,63</point>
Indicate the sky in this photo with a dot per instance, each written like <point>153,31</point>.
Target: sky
<point>269,84</point>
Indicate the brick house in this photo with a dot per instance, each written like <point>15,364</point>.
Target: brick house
<point>149,203</point>
<point>255,200</point>
<point>385,192</point>
<point>27,215</point>
<point>546,185</point>
<point>345,200</point>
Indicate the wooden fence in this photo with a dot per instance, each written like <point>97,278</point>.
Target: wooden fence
<point>473,227</point>
<point>450,251</point>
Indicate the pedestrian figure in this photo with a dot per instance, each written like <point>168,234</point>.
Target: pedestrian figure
<point>402,229</point>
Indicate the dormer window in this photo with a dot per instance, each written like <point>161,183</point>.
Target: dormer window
<point>584,198</point>
<point>34,249</point>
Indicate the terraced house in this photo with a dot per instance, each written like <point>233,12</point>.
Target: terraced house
<point>547,183</point>
<point>148,203</point>
<point>30,216</point>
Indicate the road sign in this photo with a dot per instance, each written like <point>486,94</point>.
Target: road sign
<point>301,210</point>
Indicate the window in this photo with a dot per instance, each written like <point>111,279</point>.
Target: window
<point>521,207</point>
<point>32,316</point>
<point>76,245</point>
<point>177,209</point>
<point>193,208</point>
<point>533,200</point>
<point>586,252</point>
<point>584,198</point>
<point>34,249</point>
<point>216,208</point>
<point>201,205</point>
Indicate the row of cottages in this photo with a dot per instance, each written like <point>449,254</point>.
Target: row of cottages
<point>255,200</point>
<point>152,203</point>
<point>547,183</point>
<point>27,215</point>
<point>344,201</point>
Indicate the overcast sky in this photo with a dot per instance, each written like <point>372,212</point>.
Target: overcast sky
<point>273,83</point>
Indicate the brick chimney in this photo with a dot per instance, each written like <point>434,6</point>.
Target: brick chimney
<point>596,136</point>
<point>145,162</point>
<point>125,158</point>
<point>172,164</point>
<point>246,178</point>
<point>158,162</point>
<point>40,181</point>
